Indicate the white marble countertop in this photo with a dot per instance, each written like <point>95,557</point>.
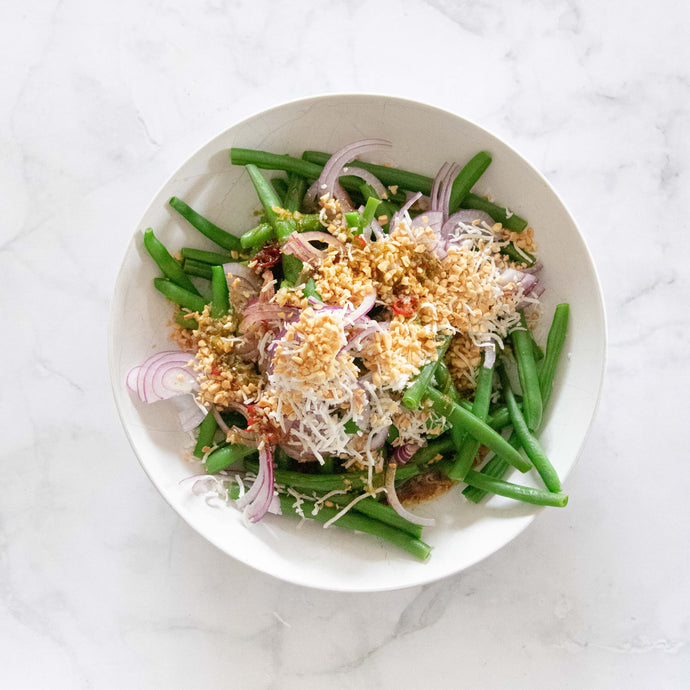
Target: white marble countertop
<point>101,584</point>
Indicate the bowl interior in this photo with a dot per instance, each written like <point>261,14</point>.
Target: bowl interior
<point>423,138</point>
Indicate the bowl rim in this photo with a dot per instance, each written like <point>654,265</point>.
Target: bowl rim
<point>429,577</point>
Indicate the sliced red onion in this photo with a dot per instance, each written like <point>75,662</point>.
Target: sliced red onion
<point>529,283</point>
<point>364,308</point>
<point>423,202</point>
<point>163,376</point>
<point>374,228</point>
<point>219,420</point>
<point>260,497</point>
<point>131,379</point>
<point>258,312</point>
<point>404,453</point>
<point>435,187</point>
<point>299,245</point>
<point>466,216</point>
<point>356,341</point>
<point>399,215</point>
<point>535,268</point>
<point>244,273</point>
<point>447,188</point>
<point>377,440</point>
<point>369,178</point>
<point>295,449</point>
<point>268,290</point>
<point>430,219</point>
<point>394,501</point>
<point>328,180</point>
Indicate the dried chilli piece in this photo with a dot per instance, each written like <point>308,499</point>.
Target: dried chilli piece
<point>267,257</point>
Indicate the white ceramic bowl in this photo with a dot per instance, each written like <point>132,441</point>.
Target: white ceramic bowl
<point>423,138</point>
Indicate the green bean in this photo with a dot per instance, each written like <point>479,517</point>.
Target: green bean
<point>223,457</point>
<point>442,378</point>
<point>519,256</point>
<point>206,257</point>
<point>220,302</point>
<point>273,161</point>
<point>207,430</point>
<point>527,371</point>
<point>499,418</point>
<point>283,227</point>
<point>421,183</point>
<point>536,349</point>
<point>499,213</point>
<point>480,409</point>
<point>170,267</point>
<point>413,395</point>
<point>496,468</point>
<point>281,458</point>
<point>362,523</point>
<point>354,220</point>
<point>300,166</point>
<point>307,222</point>
<point>186,321</point>
<point>530,443</point>
<point>268,198</point>
<point>258,236</point>
<point>457,414</point>
<point>526,494</point>
<point>328,466</point>
<point>439,446</point>
<point>554,346</point>
<point>179,295</point>
<point>467,178</point>
<point>221,237</point>
<point>296,189</point>
<point>449,387</point>
<point>379,511</point>
<point>197,268</point>
<point>280,186</point>
<point>369,211</point>
<point>330,482</point>
<point>264,232</point>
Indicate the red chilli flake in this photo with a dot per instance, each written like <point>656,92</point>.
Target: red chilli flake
<point>361,240</point>
<point>267,257</point>
<point>251,418</point>
<point>405,306</point>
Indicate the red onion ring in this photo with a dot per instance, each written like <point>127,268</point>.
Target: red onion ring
<point>430,219</point>
<point>356,341</point>
<point>257,312</point>
<point>158,378</point>
<point>379,438</point>
<point>244,273</point>
<point>299,245</point>
<point>446,189</point>
<point>260,497</point>
<point>467,216</point>
<point>363,309</point>
<point>435,187</point>
<point>404,453</point>
<point>328,180</point>
<point>394,501</point>
<point>369,178</point>
<point>399,215</point>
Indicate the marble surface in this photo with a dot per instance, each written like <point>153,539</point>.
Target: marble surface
<point>101,584</point>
